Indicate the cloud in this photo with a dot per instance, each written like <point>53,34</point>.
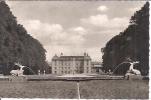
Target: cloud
<point>44,32</point>
<point>102,20</point>
<point>95,53</point>
<point>79,30</point>
<point>62,31</point>
<point>54,34</point>
<point>102,8</point>
<point>55,38</point>
<point>97,20</point>
<point>134,9</point>
<point>102,29</point>
<point>34,25</point>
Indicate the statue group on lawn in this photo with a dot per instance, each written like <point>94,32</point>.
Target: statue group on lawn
<point>21,70</point>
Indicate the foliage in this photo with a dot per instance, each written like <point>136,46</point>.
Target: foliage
<point>16,45</point>
<point>132,43</point>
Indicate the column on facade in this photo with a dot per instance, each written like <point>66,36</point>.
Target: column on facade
<point>87,66</point>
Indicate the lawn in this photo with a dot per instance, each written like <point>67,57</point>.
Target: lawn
<point>115,89</point>
<point>99,89</point>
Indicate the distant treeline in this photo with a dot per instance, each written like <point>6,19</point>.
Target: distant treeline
<point>18,46</point>
<point>133,43</point>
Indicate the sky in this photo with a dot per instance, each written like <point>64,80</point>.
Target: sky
<point>74,27</point>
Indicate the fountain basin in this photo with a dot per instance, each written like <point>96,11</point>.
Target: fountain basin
<point>75,77</point>
<point>134,77</point>
<point>4,78</point>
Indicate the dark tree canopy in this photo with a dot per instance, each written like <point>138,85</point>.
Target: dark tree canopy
<point>16,45</point>
<point>132,43</point>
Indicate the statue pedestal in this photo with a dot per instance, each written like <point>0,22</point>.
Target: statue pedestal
<point>134,77</point>
<point>17,78</point>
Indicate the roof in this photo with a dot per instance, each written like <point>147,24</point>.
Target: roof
<point>96,64</point>
<point>55,57</point>
<point>71,57</point>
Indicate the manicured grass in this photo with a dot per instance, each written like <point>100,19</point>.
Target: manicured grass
<point>39,89</point>
<point>99,89</point>
<point>115,89</point>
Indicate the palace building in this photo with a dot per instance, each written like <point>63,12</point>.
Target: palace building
<point>96,67</point>
<point>71,64</point>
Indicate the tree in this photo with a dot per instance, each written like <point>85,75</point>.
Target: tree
<point>132,43</point>
<point>18,46</point>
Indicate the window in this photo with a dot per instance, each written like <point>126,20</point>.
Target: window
<point>65,72</point>
<point>62,63</point>
<point>87,62</point>
<point>68,67</point>
<point>87,69</point>
<point>55,72</point>
<point>55,62</point>
<point>62,72</point>
<point>55,67</point>
<point>68,72</point>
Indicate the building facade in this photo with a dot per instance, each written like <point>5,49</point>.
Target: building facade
<point>96,67</point>
<point>71,64</point>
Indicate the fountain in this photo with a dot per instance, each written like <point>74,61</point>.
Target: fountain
<point>131,72</point>
<point>44,72</point>
<point>21,71</point>
<point>18,72</point>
